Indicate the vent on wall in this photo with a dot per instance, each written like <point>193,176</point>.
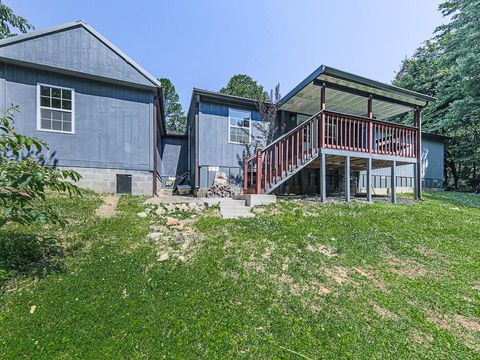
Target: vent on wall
<point>124,184</point>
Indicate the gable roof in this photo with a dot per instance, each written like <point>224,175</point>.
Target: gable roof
<point>8,51</point>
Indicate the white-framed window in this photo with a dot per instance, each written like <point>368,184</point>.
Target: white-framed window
<point>240,126</point>
<point>55,109</point>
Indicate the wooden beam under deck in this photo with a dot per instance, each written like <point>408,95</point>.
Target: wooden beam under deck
<point>356,163</point>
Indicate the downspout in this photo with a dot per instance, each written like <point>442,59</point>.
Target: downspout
<point>155,160</point>
<point>197,139</point>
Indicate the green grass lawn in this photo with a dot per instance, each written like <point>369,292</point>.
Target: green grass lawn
<point>300,280</point>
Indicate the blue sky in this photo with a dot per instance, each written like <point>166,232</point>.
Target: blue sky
<point>202,43</point>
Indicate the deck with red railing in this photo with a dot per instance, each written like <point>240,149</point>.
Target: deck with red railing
<point>297,148</point>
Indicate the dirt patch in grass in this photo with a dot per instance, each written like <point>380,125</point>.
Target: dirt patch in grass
<point>385,313</point>
<point>108,208</point>
<point>372,278</point>
<point>469,324</point>
<point>286,281</point>
<point>421,338</point>
<point>459,326</point>
<point>338,273</point>
<point>325,250</point>
<point>406,267</point>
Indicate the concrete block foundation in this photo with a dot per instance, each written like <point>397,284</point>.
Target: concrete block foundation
<point>105,180</point>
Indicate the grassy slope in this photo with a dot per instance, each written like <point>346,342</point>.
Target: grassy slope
<point>397,282</point>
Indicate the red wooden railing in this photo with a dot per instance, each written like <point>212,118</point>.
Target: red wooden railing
<point>356,133</point>
<point>290,152</point>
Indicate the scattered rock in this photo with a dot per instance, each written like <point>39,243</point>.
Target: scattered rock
<point>156,227</point>
<point>183,207</point>
<point>193,206</point>
<point>160,211</point>
<point>179,239</point>
<point>149,209</point>
<point>142,214</point>
<point>170,207</point>
<point>170,221</point>
<point>163,257</point>
<point>178,227</point>
<point>155,235</point>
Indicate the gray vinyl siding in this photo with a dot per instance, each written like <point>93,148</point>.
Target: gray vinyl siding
<point>74,49</point>
<point>174,156</point>
<point>113,123</point>
<point>432,163</point>
<point>215,148</point>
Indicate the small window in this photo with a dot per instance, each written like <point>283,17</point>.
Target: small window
<point>240,126</point>
<point>55,112</point>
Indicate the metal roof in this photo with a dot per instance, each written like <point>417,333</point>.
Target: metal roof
<point>347,93</point>
<point>39,33</point>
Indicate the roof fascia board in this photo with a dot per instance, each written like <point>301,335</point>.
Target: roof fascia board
<point>323,69</point>
<point>223,98</point>
<point>363,93</point>
<point>75,73</point>
<point>373,83</point>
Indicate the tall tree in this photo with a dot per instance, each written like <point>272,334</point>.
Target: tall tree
<point>447,67</point>
<point>244,86</point>
<point>10,21</point>
<point>174,114</point>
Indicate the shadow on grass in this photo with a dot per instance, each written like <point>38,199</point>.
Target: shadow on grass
<point>28,255</point>
<point>457,198</point>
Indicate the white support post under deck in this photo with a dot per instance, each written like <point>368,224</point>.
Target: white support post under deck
<point>323,176</point>
<point>393,182</point>
<point>369,179</point>
<point>347,178</point>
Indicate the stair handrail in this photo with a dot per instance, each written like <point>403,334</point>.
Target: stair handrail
<point>291,131</point>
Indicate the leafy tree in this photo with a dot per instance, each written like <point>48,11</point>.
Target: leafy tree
<point>9,20</point>
<point>447,67</point>
<point>268,126</point>
<point>25,179</point>
<point>244,86</point>
<point>174,115</point>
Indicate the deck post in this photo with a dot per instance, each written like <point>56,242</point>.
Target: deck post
<point>347,178</point>
<point>418,174</point>
<point>322,116</point>
<point>323,176</point>
<point>258,188</point>
<point>369,179</point>
<point>393,182</point>
<point>245,174</point>
<point>370,124</point>
<point>415,181</point>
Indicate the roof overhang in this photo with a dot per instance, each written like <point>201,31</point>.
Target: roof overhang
<point>95,33</point>
<point>348,93</point>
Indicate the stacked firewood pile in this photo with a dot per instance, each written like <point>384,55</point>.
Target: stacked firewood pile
<point>220,187</point>
<point>217,190</point>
